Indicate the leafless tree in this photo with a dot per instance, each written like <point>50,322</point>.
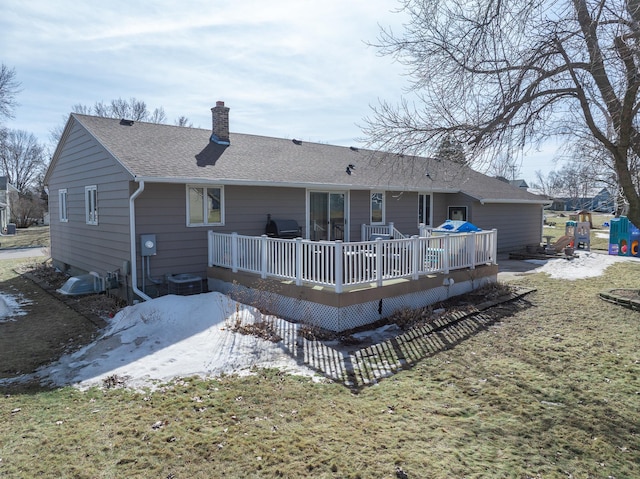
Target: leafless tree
<point>183,121</point>
<point>22,159</point>
<point>9,88</point>
<point>550,184</point>
<point>27,208</point>
<point>131,109</point>
<point>499,73</point>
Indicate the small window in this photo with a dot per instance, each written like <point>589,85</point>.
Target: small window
<point>62,203</point>
<point>458,213</point>
<point>205,205</point>
<point>377,208</point>
<point>91,204</point>
<point>424,210</point>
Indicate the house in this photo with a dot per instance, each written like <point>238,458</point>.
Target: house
<point>7,191</point>
<point>519,183</point>
<point>135,202</point>
<point>601,200</point>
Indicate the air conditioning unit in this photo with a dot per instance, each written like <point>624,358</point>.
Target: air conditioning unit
<point>184,284</point>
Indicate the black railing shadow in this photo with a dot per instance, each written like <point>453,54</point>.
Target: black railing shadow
<point>357,368</point>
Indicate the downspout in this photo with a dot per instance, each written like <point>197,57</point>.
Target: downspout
<point>132,233</point>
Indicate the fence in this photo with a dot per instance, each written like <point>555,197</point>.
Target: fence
<point>338,264</point>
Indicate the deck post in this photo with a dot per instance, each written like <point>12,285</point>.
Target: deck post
<point>338,260</point>
<point>378,264</point>
<point>210,248</point>
<point>363,232</point>
<point>447,254</point>
<point>391,228</point>
<point>234,252</point>
<point>494,246</point>
<point>471,248</point>
<point>263,256</point>
<point>298,261</point>
<point>415,258</point>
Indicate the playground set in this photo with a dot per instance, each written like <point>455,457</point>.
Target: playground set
<point>624,238</point>
<point>577,235</point>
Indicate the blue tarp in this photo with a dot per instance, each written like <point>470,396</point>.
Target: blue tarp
<point>456,226</point>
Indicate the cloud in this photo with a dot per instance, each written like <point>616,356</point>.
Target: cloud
<point>285,68</point>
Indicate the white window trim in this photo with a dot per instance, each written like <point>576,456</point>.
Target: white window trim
<point>63,205</point>
<point>204,212</point>
<point>384,214</point>
<point>88,207</point>
<point>430,218</point>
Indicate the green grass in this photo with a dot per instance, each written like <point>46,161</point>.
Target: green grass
<point>551,392</point>
<point>26,237</point>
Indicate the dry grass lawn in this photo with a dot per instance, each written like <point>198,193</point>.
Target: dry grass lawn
<point>550,392</point>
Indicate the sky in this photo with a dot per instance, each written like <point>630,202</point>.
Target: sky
<point>151,342</point>
<point>288,69</point>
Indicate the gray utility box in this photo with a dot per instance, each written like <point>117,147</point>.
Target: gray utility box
<point>11,229</point>
<point>147,245</point>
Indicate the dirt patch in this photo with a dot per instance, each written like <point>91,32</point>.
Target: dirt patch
<point>95,307</point>
<point>53,324</point>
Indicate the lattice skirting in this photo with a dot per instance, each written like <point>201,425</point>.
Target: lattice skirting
<point>344,317</point>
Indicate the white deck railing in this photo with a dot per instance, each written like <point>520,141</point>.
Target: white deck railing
<point>367,231</point>
<point>339,264</point>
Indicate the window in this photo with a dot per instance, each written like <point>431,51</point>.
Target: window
<point>91,204</point>
<point>424,209</point>
<point>377,208</point>
<point>62,204</point>
<point>205,205</point>
<point>458,213</point>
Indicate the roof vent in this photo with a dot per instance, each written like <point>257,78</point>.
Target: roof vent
<point>125,122</point>
<point>297,142</point>
<point>353,148</point>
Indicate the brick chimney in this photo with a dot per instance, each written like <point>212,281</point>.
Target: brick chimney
<point>220,117</point>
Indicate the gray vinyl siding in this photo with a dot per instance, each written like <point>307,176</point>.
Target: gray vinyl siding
<point>518,225</point>
<point>247,208</point>
<point>74,244</point>
<point>161,210</point>
<point>402,211</point>
<point>359,210</point>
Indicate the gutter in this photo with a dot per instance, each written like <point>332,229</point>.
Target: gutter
<point>132,234</point>
<point>515,201</point>
<point>308,185</point>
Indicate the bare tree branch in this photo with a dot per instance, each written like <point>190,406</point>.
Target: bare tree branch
<point>504,74</point>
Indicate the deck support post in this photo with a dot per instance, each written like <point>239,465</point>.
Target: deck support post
<point>263,256</point>
<point>471,249</point>
<point>298,261</point>
<point>415,257</point>
<point>338,260</point>
<point>234,252</point>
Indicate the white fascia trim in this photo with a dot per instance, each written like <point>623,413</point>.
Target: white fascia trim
<point>310,185</point>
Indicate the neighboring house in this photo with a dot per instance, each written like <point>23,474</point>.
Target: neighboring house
<point>602,201</point>
<point>519,183</point>
<point>7,190</point>
<point>112,181</point>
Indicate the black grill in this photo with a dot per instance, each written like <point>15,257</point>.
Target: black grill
<point>282,228</point>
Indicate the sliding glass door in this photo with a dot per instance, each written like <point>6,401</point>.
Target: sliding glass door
<point>327,216</point>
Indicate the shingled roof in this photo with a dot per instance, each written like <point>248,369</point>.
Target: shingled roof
<point>158,152</point>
